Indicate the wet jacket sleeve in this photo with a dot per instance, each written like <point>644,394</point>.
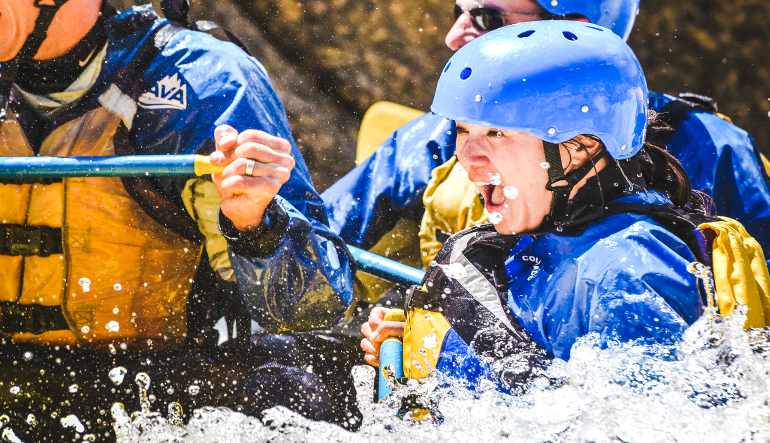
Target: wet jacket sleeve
<point>368,201</point>
<point>198,83</point>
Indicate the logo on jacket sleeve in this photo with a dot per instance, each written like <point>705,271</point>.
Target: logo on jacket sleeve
<point>168,93</point>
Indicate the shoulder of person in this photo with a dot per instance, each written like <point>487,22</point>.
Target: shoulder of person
<point>678,110</point>
<point>631,243</point>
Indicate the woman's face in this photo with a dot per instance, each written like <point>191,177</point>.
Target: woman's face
<point>510,171</point>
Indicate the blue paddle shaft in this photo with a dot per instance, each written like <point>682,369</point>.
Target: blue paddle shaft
<point>125,166</point>
<point>391,356</point>
<point>166,166</point>
<point>386,268</point>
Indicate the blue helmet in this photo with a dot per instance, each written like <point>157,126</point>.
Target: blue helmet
<point>555,79</point>
<point>618,15</point>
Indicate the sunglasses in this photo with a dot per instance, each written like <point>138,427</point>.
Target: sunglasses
<point>484,19</point>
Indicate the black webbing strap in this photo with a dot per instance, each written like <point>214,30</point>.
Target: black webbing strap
<point>35,319</point>
<point>25,240</point>
<point>561,184</point>
<point>48,9</point>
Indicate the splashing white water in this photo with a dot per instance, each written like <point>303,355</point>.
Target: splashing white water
<point>712,387</point>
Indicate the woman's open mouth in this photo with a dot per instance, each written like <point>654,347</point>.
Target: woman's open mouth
<point>494,196</point>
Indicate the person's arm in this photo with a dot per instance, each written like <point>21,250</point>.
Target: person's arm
<point>368,201</point>
<point>290,258</point>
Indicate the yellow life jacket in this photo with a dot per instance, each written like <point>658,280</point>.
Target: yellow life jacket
<point>452,204</point>
<point>118,276</point>
<point>379,122</point>
<point>739,271</point>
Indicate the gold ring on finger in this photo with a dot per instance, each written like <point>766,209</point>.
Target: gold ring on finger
<point>250,165</point>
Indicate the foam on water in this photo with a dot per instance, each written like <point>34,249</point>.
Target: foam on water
<point>712,387</point>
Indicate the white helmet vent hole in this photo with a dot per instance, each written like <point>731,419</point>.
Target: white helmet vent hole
<point>569,36</point>
<point>466,73</point>
<point>526,34</point>
<point>595,28</point>
<point>448,65</point>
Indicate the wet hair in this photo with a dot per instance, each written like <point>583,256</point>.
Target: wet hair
<point>663,172</point>
<point>657,168</point>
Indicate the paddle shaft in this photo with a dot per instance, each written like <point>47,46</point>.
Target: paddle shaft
<point>171,166</point>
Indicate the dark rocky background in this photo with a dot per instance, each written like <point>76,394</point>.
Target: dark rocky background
<point>331,59</point>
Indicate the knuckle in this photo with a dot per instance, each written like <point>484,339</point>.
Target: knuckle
<point>249,135</point>
<point>284,144</point>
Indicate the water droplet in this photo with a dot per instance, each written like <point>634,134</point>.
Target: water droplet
<point>9,436</point>
<point>193,390</point>
<point>623,147</point>
<point>511,192</point>
<point>175,414</point>
<point>73,388</point>
<point>14,390</point>
<point>85,284</point>
<point>495,217</point>
<point>495,179</point>
<point>115,310</point>
<point>28,356</point>
<point>117,374</point>
<point>545,165</point>
<point>112,326</point>
<point>117,286</point>
<point>72,421</point>
<point>554,3</point>
<point>551,131</point>
<point>85,329</point>
<point>89,437</point>
<point>478,98</point>
<point>584,109</point>
<point>31,420</point>
<point>118,412</point>
<point>142,380</point>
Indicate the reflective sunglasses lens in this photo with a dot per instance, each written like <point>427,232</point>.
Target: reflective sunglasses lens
<point>488,19</point>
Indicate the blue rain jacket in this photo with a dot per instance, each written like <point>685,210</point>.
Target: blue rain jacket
<point>623,278</point>
<point>719,158</point>
<point>292,272</point>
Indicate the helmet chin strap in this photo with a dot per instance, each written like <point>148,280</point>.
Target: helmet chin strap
<point>561,184</point>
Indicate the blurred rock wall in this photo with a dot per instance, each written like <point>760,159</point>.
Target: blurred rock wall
<point>331,59</point>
